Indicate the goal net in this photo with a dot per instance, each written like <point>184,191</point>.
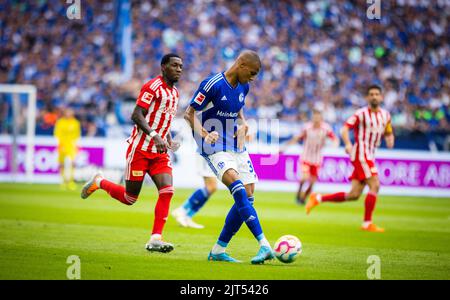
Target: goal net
<point>17,132</point>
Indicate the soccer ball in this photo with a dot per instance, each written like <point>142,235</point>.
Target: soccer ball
<point>287,248</point>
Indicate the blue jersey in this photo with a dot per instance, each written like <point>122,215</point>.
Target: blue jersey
<point>218,104</point>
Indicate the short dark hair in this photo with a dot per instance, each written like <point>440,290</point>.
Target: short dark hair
<point>373,87</point>
<point>166,58</point>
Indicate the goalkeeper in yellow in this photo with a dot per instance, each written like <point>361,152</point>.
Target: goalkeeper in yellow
<point>67,132</point>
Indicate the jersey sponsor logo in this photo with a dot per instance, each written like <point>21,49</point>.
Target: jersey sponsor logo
<point>224,98</point>
<point>241,97</point>
<point>199,98</point>
<point>147,97</point>
<point>170,110</point>
<point>137,173</point>
<point>227,114</point>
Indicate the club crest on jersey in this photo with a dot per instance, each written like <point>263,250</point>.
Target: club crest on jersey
<point>199,98</point>
<point>147,97</point>
<point>241,97</point>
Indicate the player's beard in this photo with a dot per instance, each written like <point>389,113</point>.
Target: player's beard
<point>374,105</point>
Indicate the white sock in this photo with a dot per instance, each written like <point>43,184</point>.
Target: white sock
<point>264,242</point>
<point>319,198</point>
<point>98,180</point>
<point>217,249</point>
<point>366,224</point>
<point>155,237</point>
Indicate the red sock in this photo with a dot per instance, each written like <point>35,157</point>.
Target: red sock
<point>337,197</point>
<point>162,209</point>
<point>117,192</point>
<point>371,199</point>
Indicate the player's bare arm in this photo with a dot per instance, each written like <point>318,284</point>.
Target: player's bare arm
<point>194,123</point>
<point>138,117</point>
<point>389,136</point>
<point>346,138</point>
<point>294,140</point>
<point>171,144</point>
<point>335,142</point>
<point>242,130</point>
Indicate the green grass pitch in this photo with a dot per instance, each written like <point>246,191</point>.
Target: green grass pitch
<point>40,226</point>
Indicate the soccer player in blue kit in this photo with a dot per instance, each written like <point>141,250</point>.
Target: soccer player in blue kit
<point>216,117</point>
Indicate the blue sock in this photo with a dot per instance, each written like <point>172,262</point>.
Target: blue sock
<point>246,210</point>
<point>197,200</point>
<point>233,223</point>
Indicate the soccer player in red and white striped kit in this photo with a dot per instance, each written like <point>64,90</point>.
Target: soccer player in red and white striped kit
<point>149,142</point>
<point>369,125</point>
<point>314,135</point>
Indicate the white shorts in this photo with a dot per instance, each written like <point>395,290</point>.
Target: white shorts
<point>220,162</point>
<point>203,169</point>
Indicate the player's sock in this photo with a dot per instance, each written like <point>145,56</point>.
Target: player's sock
<point>197,200</point>
<point>233,223</point>
<point>117,191</point>
<point>219,247</point>
<point>246,210</point>
<point>337,197</point>
<point>263,241</point>
<point>162,209</point>
<point>371,200</point>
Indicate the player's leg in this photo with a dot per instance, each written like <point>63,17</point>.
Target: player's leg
<point>233,223</point>
<point>135,170</point>
<point>312,181</point>
<point>183,214</point>
<point>62,169</point>
<point>164,184</point>
<point>354,194</point>
<point>71,163</point>
<point>209,189</point>
<point>305,177</point>
<point>200,200</point>
<point>160,169</point>
<point>369,205</point>
<point>243,207</point>
<point>194,203</point>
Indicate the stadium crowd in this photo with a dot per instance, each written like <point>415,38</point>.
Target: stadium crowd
<point>315,53</point>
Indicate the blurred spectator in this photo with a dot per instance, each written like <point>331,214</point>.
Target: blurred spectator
<point>313,52</point>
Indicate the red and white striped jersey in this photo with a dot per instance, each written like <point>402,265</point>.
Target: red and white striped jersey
<point>368,128</point>
<point>314,139</point>
<point>161,102</point>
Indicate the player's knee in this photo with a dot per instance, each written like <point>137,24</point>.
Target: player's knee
<point>353,196</point>
<point>130,199</point>
<point>166,191</point>
<point>211,187</point>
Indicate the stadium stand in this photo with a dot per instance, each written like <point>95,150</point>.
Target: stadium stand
<point>315,53</point>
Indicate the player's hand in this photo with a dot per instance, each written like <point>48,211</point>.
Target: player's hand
<point>174,146</point>
<point>241,133</point>
<point>348,148</point>
<point>160,144</point>
<point>212,137</point>
<point>389,141</point>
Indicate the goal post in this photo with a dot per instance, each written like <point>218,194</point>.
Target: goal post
<point>31,91</point>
